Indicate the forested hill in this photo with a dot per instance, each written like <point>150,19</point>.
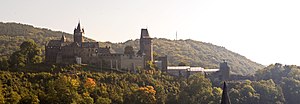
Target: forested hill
<point>13,34</point>
<point>196,53</point>
<point>192,52</point>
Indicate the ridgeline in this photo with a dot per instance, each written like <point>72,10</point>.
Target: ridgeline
<point>194,53</point>
<point>37,82</point>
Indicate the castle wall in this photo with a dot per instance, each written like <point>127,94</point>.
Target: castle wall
<point>89,55</point>
<point>51,54</point>
<point>120,62</point>
<point>130,62</point>
<point>111,61</point>
<point>68,54</point>
<point>181,72</point>
<point>164,63</point>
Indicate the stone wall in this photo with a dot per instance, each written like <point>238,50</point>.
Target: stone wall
<point>131,62</point>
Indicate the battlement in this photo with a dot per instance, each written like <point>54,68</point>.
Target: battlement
<point>120,55</point>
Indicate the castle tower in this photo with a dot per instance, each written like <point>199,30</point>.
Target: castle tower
<point>146,46</point>
<point>78,34</point>
<point>225,71</point>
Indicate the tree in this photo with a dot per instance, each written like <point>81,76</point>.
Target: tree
<point>160,94</point>
<point>13,97</point>
<point>199,90</point>
<point>101,100</point>
<point>145,95</point>
<point>291,88</point>
<point>269,92</point>
<point>29,53</point>
<point>17,60</point>
<point>1,94</point>
<point>4,65</point>
<point>63,90</point>
<point>90,83</point>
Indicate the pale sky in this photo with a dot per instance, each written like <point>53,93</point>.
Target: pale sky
<point>265,31</point>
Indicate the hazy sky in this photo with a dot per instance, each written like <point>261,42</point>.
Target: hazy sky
<point>265,31</point>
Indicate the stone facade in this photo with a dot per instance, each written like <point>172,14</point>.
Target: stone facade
<point>146,46</point>
<point>224,71</point>
<point>162,63</point>
<point>81,52</point>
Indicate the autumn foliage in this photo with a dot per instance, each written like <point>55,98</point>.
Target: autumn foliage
<point>145,95</point>
<point>90,83</point>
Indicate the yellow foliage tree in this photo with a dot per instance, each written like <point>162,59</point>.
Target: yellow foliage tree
<point>145,95</point>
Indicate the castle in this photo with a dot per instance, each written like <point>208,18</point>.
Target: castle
<point>81,52</point>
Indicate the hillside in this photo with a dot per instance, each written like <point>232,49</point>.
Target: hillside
<point>192,52</point>
<point>195,53</point>
<point>13,34</point>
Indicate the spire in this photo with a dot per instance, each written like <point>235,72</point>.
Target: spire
<point>78,26</point>
<point>78,34</point>
<point>225,97</point>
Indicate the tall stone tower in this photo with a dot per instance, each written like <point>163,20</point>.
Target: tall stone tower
<point>146,46</point>
<point>78,34</point>
<point>225,71</point>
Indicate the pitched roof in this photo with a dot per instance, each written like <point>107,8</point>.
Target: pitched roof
<point>145,34</point>
<point>54,43</point>
<point>90,44</point>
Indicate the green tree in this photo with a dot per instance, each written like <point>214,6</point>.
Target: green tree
<point>150,65</point>
<point>291,89</point>
<point>243,93</point>
<point>17,60</point>
<point>31,51</point>
<point>101,100</point>
<point>30,99</point>
<point>13,97</point>
<point>269,92</point>
<point>63,90</point>
<point>199,90</point>
<point>28,54</point>
<point>1,94</point>
<point>4,65</point>
<point>217,94</point>
<point>160,94</point>
<point>87,100</point>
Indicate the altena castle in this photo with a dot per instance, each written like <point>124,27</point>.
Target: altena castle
<point>81,52</point>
